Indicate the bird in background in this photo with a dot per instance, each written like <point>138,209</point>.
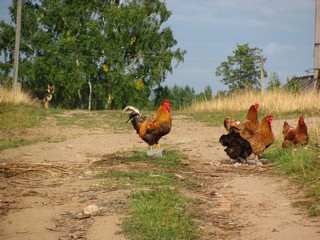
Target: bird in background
<point>297,135</point>
<point>151,130</point>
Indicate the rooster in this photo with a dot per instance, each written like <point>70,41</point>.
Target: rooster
<point>298,135</point>
<point>153,129</point>
<point>237,148</point>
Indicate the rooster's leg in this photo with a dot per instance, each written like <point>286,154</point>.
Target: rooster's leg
<point>158,145</point>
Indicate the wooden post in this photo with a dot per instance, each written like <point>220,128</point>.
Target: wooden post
<point>317,47</point>
<point>15,86</point>
<point>262,73</point>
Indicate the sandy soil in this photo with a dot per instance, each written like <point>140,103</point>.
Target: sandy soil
<point>45,187</point>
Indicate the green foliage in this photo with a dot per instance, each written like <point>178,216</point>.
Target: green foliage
<point>242,70</point>
<point>181,97</point>
<point>274,82</point>
<point>103,54</point>
<point>293,85</point>
<point>160,214</point>
<point>206,95</point>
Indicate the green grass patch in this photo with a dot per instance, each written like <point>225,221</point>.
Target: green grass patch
<point>94,119</point>
<point>12,117</point>
<point>13,143</point>
<point>301,164</point>
<point>15,118</point>
<point>173,159</point>
<point>119,179</point>
<point>160,214</point>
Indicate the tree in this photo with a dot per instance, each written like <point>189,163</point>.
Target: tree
<point>94,51</point>
<point>274,82</point>
<point>161,93</point>
<point>206,95</point>
<point>181,97</point>
<point>242,70</point>
<point>293,85</point>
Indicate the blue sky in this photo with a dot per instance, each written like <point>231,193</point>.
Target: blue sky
<point>209,30</point>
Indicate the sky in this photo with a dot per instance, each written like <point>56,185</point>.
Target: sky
<point>209,30</point>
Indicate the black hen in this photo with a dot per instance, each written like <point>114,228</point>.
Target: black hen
<point>237,148</point>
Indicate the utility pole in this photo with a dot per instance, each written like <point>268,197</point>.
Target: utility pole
<point>317,47</point>
<point>262,59</point>
<point>15,84</point>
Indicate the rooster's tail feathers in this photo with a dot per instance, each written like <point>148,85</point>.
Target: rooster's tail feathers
<point>131,109</point>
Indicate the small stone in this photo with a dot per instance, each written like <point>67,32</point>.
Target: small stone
<point>161,152</point>
<point>91,209</point>
<point>179,176</point>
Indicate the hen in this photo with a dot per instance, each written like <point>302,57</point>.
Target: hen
<point>263,137</point>
<point>249,125</point>
<point>298,135</point>
<point>251,122</point>
<point>237,148</point>
<point>228,122</point>
<point>151,130</point>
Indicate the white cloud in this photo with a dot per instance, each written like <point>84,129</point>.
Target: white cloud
<point>276,48</point>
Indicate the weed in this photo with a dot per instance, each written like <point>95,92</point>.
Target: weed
<point>160,214</point>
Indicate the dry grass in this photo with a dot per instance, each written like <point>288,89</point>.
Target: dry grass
<point>9,97</point>
<point>274,102</point>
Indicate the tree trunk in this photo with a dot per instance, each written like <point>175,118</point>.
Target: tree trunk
<point>90,93</point>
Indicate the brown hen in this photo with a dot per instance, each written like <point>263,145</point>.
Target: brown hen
<point>298,135</point>
<point>249,125</point>
<point>262,138</point>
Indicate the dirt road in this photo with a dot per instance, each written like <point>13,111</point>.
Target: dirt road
<point>44,188</point>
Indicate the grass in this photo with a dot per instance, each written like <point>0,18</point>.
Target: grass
<point>20,116</point>
<point>136,180</point>
<point>279,103</point>
<point>153,173</point>
<point>282,104</point>
<point>157,209</point>
<point>12,143</point>
<point>301,164</point>
<point>160,214</point>
<point>7,96</point>
<point>13,119</point>
<point>94,119</point>
<point>172,160</point>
